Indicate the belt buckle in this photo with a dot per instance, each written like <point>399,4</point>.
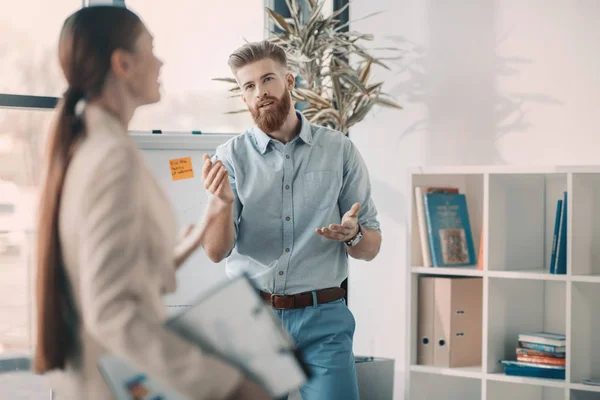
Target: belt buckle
<point>272,302</point>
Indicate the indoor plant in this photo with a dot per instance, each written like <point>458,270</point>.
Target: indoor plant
<point>332,69</point>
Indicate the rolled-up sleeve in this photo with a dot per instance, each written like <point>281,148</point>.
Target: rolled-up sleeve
<point>114,262</point>
<point>356,188</point>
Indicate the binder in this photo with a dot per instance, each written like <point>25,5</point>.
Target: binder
<point>441,321</point>
<point>466,322</point>
<point>425,321</point>
<point>450,309</point>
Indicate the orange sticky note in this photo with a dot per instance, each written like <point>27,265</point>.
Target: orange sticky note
<point>181,168</point>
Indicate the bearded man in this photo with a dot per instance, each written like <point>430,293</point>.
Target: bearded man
<point>289,202</point>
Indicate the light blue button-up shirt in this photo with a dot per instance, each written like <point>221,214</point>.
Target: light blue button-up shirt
<point>283,193</point>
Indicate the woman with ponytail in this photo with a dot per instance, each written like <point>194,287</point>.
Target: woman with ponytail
<point>106,245</point>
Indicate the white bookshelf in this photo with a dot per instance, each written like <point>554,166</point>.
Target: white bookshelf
<point>516,207</point>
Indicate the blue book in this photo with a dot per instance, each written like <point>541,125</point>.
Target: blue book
<point>543,347</point>
<point>449,230</point>
<point>517,368</point>
<point>561,252</point>
<point>555,236</point>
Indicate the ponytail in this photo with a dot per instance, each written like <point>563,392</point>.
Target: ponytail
<point>56,315</point>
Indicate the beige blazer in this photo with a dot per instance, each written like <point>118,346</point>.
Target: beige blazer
<point>117,235</point>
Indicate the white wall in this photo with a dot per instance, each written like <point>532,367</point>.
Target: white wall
<point>483,82</point>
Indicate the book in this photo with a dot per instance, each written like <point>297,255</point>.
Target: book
<point>543,347</point>
<point>517,368</point>
<point>420,209</point>
<point>542,360</point>
<point>425,250</point>
<point>561,247</point>
<point>128,383</point>
<point>527,365</point>
<point>235,324</point>
<point>522,351</point>
<point>545,338</point>
<point>449,230</point>
<point>555,236</point>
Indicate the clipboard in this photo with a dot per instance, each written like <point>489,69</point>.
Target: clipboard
<point>233,323</point>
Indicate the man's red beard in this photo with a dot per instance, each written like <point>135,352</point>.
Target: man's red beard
<point>272,120</point>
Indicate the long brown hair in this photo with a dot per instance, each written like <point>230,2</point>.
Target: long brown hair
<point>87,41</point>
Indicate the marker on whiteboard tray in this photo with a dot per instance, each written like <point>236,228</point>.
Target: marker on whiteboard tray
<point>159,131</point>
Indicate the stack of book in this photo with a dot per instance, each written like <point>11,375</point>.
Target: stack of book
<point>539,354</point>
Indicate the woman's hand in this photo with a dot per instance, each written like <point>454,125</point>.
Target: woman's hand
<point>189,241</point>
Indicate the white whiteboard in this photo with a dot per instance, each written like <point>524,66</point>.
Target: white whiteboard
<point>188,200</point>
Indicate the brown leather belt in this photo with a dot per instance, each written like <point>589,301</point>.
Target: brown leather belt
<point>300,300</point>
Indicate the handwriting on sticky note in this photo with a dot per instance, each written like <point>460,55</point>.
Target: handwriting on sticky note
<point>181,168</point>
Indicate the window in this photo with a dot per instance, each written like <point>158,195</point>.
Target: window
<point>22,136</point>
<point>194,39</point>
<point>28,50</point>
<point>28,46</point>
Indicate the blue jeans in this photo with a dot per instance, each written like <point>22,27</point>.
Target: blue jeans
<point>324,333</point>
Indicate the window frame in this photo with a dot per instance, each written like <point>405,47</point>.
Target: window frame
<point>33,102</point>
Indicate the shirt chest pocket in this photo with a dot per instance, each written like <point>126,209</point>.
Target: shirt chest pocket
<point>321,189</point>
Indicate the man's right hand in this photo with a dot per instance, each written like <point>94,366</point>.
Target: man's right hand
<point>216,180</point>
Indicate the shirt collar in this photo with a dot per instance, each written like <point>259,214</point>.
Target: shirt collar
<point>263,140</point>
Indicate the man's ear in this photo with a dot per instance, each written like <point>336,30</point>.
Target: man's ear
<point>120,62</point>
<point>291,81</point>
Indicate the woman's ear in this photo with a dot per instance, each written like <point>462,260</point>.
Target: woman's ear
<point>120,62</point>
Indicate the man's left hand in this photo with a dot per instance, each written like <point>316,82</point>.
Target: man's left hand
<point>344,231</point>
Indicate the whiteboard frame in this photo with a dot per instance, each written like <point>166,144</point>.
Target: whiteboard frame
<point>178,141</point>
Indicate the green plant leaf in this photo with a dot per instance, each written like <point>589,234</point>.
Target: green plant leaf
<point>279,20</point>
<point>338,12</point>
<point>295,12</point>
<point>387,103</point>
<point>228,80</point>
<point>330,113</point>
<point>364,73</point>
<point>360,114</point>
<point>313,97</point>
<point>237,111</point>
<point>374,87</point>
<point>354,81</point>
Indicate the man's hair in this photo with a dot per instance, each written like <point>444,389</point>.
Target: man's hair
<point>256,51</point>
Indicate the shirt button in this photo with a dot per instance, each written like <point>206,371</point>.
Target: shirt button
<point>287,250</point>
<point>287,218</point>
<point>280,272</point>
<point>287,187</point>
<point>287,156</point>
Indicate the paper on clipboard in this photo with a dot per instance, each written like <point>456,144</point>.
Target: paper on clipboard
<point>235,324</point>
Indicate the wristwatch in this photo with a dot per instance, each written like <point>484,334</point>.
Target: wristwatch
<point>357,238</point>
